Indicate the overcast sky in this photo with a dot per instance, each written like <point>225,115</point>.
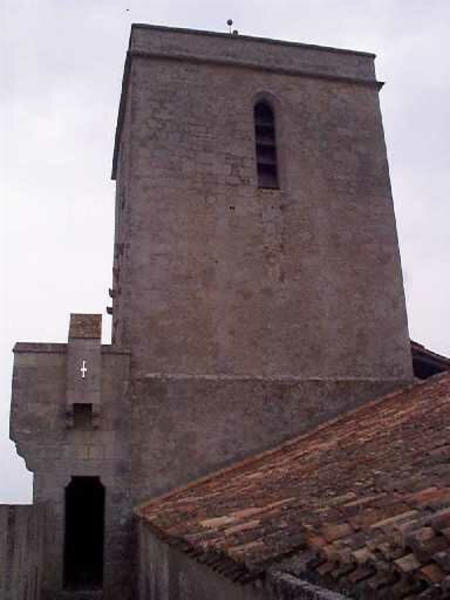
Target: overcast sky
<point>61,70</point>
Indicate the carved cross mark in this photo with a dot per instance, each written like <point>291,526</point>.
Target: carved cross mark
<point>83,369</point>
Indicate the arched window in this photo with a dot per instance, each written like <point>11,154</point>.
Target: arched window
<point>266,152</point>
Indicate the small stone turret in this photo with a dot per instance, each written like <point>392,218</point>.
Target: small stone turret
<point>69,422</point>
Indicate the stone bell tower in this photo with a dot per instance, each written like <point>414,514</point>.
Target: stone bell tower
<point>257,288</point>
<point>257,279</point>
<point>220,271</point>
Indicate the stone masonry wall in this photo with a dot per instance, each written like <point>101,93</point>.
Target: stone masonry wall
<point>186,427</point>
<point>253,52</point>
<point>21,551</point>
<point>217,276</point>
<point>55,451</point>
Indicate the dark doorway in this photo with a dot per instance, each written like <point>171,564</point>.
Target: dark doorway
<point>84,532</point>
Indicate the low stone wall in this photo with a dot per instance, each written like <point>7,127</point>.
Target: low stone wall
<point>21,551</point>
<point>165,573</point>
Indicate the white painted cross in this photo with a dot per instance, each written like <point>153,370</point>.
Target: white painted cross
<point>83,369</point>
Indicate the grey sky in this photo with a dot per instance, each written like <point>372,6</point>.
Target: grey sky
<point>61,69</point>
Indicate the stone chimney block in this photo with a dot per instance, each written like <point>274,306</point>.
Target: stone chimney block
<point>84,365</point>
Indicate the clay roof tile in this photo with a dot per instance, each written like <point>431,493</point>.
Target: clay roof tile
<point>360,503</point>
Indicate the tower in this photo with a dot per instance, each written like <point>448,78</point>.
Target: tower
<point>257,288</point>
<point>219,271</point>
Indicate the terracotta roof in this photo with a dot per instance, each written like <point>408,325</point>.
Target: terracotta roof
<point>360,505</point>
<point>427,363</point>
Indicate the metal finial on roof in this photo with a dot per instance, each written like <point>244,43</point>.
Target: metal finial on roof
<point>229,23</point>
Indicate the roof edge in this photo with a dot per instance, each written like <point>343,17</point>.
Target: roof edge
<point>287,584</point>
<point>121,113</point>
<point>265,40</point>
<point>218,561</point>
<point>61,348</point>
<point>420,348</point>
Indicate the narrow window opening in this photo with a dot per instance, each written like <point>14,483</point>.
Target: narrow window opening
<point>82,416</point>
<point>84,534</point>
<point>266,153</point>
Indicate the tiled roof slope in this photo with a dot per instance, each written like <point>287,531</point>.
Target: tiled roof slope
<point>361,505</point>
<point>426,362</point>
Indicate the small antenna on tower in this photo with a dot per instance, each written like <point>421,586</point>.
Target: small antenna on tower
<point>229,23</point>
